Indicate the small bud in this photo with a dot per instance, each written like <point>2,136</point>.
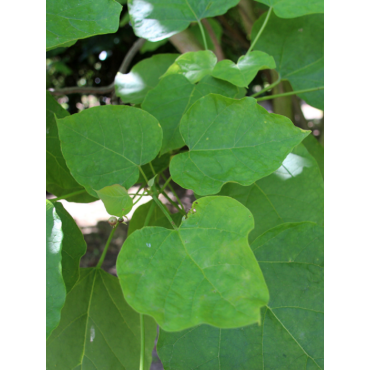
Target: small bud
<point>120,220</point>
<point>112,221</point>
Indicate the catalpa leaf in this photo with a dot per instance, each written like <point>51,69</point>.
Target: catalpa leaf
<point>74,247</point>
<point>98,329</point>
<point>203,272</point>
<point>157,19</point>
<point>290,336</point>
<point>172,97</point>
<point>293,193</point>
<point>59,180</point>
<point>193,65</point>
<point>242,73</point>
<point>231,140</point>
<point>288,41</point>
<point>316,150</point>
<point>157,218</point>
<point>144,76</point>
<point>116,200</point>
<point>294,8</point>
<point>68,21</point>
<point>106,145</point>
<point>55,289</point>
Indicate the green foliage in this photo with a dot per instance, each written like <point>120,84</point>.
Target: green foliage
<point>236,282</point>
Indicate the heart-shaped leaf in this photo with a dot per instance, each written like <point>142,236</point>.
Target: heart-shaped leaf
<point>106,145</point>
<point>231,140</point>
<point>59,180</point>
<point>288,40</point>
<point>242,73</point>
<point>116,200</point>
<point>144,76</point>
<point>193,65</point>
<point>69,21</point>
<point>98,329</point>
<point>293,193</point>
<point>291,334</point>
<point>316,150</point>
<point>157,19</point>
<point>203,272</point>
<point>55,289</point>
<point>172,97</point>
<point>294,8</point>
<point>74,247</point>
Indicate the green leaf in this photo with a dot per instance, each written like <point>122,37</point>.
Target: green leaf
<point>193,65</point>
<point>204,272</point>
<point>297,46</point>
<point>160,163</point>
<point>295,8</point>
<point>116,200</point>
<point>144,76</point>
<point>106,145</point>
<point>242,73</point>
<point>156,219</point>
<point>231,141</point>
<point>55,289</point>
<point>98,329</point>
<point>59,180</point>
<point>293,193</point>
<point>171,98</point>
<point>74,247</point>
<point>316,150</point>
<point>67,22</point>
<point>291,334</point>
<point>156,20</point>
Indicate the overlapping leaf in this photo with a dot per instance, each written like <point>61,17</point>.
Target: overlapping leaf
<point>116,200</point>
<point>294,8</point>
<point>74,247</point>
<point>144,76</point>
<point>204,272</point>
<point>68,21</point>
<point>316,150</point>
<point>157,19</point>
<point>59,180</point>
<point>55,289</point>
<point>297,46</point>
<point>106,145</point>
<point>231,141</point>
<point>290,336</point>
<point>293,193</point>
<point>174,94</point>
<point>98,329</point>
<point>242,73</point>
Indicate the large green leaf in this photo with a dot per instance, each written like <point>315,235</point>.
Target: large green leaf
<point>297,46</point>
<point>242,73</point>
<point>294,8</point>
<point>98,329</point>
<point>231,141</point>
<point>157,218</point>
<point>116,200</point>
<point>193,65</point>
<point>55,289</point>
<point>169,101</point>
<point>158,19</point>
<point>59,180</point>
<point>316,150</point>
<point>106,145</point>
<point>68,21</point>
<point>74,247</point>
<point>293,193</point>
<point>144,76</point>
<point>204,272</point>
<point>290,336</point>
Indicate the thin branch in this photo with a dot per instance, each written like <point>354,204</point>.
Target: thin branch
<point>104,89</point>
<point>185,41</point>
<point>218,50</point>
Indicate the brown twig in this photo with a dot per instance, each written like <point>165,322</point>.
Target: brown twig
<point>104,89</point>
<point>218,50</point>
<point>185,41</point>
